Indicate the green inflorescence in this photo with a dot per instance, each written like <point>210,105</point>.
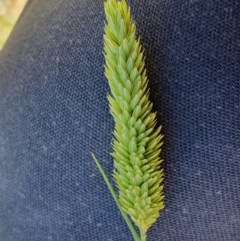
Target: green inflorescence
<point>137,141</point>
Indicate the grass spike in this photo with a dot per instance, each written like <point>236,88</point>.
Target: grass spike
<point>137,143</point>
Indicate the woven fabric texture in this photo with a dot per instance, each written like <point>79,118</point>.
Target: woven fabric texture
<point>54,112</point>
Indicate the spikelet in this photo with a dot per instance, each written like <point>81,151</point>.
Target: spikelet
<point>137,141</point>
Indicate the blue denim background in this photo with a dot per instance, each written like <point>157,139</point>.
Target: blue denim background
<point>54,112</point>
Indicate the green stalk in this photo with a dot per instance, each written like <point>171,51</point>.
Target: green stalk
<point>114,195</point>
<point>143,235</point>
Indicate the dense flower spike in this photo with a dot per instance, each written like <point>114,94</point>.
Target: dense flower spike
<point>137,142</point>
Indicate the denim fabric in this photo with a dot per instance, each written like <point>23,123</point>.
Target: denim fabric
<point>54,112</point>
